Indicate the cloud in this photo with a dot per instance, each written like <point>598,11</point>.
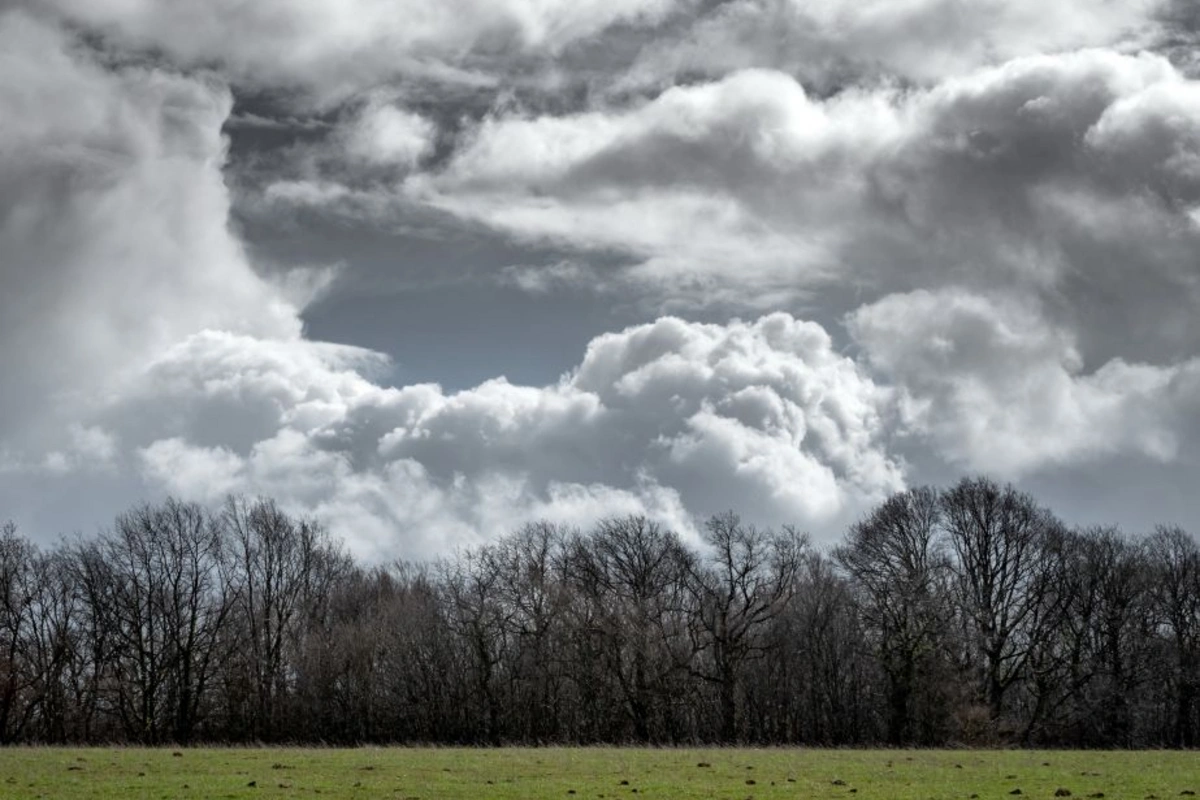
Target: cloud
<point>83,450</point>
<point>832,43</point>
<point>398,509</point>
<point>734,181</point>
<point>334,49</point>
<point>1007,223</point>
<point>671,418</point>
<point>140,337</point>
<point>207,474</point>
<point>999,388</point>
<point>1043,175</point>
<point>113,225</point>
<point>1049,172</point>
<point>384,135</point>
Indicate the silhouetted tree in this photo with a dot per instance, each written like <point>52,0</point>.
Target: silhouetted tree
<point>999,535</point>
<point>897,562</point>
<point>746,581</point>
<point>963,615</point>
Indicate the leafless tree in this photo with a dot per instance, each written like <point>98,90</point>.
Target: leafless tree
<point>281,570</point>
<point>814,673</point>
<point>531,567</point>
<point>964,615</point>
<point>896,560</point>
<point>482,623</point>
<point>747,580</point>
<point>16,599</point>
<point>49,647</point>
<point>1174,560</point>
<point>630,574</point>
<point>998,535</point>
<point>159,603</point>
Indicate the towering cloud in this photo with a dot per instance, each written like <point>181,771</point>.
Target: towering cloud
<point>113,226</point>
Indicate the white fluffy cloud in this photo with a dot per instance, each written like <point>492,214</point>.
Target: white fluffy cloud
<point>671,419</point>
<point>164,350</point>
<point>742,181</point>
<point>999,388</point>
<point>384,135</point>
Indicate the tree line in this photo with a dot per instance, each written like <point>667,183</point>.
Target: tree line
<point>965,615</point>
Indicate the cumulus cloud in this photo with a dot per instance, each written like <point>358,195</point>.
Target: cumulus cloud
<point>81,449</point>
<point>373,143</point>
<point>133,308</point>
<point>672,419</point>
<point>1000,388</point>
<point>727,182</point>
<point>206,474</point>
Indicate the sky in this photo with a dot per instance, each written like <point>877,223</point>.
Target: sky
<point>431,269</point>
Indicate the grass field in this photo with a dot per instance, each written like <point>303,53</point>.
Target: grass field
<point>592,773</point>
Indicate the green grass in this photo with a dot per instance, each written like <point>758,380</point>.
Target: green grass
<point>532,774</point>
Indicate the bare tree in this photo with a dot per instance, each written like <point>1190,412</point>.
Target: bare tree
<point>998,535</point>
<point>1058,665</point>
<point>483,624</point>
<point>159,600</point>
<point>899,567</point>
<point>48,648</point>
<point>417,659</point>
<point>630,574</point>
<point>1174,559</point>
<point>1121,581</point>
<point>281,571</point>
<point>969,614</point>
<point>747,581</point>
<point>532,585</point>
<point>815,675</point>
<point>129,612</point>
<point>16,679</point>
<point>98,645</point>
<point>194,605</point>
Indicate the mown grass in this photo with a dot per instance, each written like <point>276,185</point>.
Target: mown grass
<point>533,774</point>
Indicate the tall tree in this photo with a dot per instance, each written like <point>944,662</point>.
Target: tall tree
<point>159,593</point>
<point>281,572</point>
<point>16,599</point>
<point>1174,560</point>
<point>49,647</point>
<point>482,623</point>
<point>746,581</point>
<point>998,535</point>
<point>631,575</point>
<point>531,568</point>
<point>898,565</point>
<point>1120,577</point>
